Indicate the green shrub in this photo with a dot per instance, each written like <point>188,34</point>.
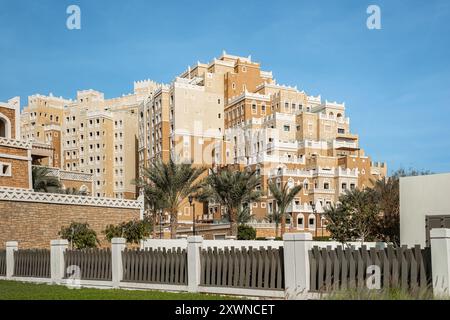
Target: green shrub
<point>133,231</point>
<point>79,235</point>
<point>246,233</point>
<point>324,238</point>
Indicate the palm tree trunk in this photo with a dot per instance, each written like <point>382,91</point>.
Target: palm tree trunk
<point>276,229</point>
<point>173,223</point>
<point>233,223</point>
<point>154,215</point>
<point>283,224</point>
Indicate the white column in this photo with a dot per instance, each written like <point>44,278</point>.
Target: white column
<point>440,261</point>
<point>194,244</point>
<point>117,246</point>
<point>57,249</point>
<point>296,263</point>
<point>11,246</point>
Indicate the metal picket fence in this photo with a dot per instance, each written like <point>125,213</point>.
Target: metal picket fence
<point>3,263</point>
<point>243,268</point>
<point>32,263</point>
<point>91,264</point>
<point>340,269</point>
<point>167,266</point>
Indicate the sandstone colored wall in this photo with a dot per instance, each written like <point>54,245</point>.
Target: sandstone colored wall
<point>33,225</point>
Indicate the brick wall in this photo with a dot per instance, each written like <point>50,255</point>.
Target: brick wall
<point>33,225</point>
<point>19,174</point>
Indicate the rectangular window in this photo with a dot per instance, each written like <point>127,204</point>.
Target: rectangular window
<point>286,128</point>
<point>5,169</point>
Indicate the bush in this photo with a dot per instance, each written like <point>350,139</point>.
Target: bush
<point>246,233</point>
<point>133,231</point>
<point>79,235</point>
<point>324,238</point>
<point>261,238</point>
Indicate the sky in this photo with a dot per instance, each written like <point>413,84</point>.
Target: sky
<point>395,81</point>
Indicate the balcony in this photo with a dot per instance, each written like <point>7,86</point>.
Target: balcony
<point>323,191</point>
<point>344,145</point>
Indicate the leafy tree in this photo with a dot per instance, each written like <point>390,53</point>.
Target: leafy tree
<point>283,197</point>
<point>339,224</point>
<point>232,189</point>
<point>173,182</point>
<point>387,191</point>
<point>79,235</point>
<point>355,216</point>
<point>43,181</point>
<point>133,231</point>
<point>246,233</point>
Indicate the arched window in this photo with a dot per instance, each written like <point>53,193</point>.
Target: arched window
<point>331,114</point>
<point>339,115</point>
<point>311,222</point>
<point>2,128</point>
<point>300,222</point>
<point>5,127</point>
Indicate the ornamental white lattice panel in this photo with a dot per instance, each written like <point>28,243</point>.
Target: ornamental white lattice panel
<point>24,195</point>
<point>15,143</point>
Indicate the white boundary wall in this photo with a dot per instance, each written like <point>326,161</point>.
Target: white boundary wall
<point>421,196</point>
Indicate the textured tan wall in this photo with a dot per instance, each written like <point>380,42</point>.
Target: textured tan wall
<point>19,175</point>
<point>33,225</point>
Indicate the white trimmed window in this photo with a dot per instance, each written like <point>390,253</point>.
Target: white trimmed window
<point>5,169</point>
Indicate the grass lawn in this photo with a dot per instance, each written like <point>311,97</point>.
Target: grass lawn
<point>14,290</point>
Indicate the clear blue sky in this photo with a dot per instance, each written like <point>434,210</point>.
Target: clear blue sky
<point>395,81</point>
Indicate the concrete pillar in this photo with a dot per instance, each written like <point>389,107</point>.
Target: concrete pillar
<point>296,263</point>
<point>194,244</point>
<point>57,248</point>
<point>440,261</point>
<point>117,246</point>
<point>11,246</point>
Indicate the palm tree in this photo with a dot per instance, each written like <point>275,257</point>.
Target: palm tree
<point>232,189</point>
<point>283,197</point>
<point>43,181</point>
<point>173,183</point>
<point>153,202</point>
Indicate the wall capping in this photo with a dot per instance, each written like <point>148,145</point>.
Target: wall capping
<point>26,195</point>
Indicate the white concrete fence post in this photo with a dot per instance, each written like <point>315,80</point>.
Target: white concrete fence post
<point>296,263</point>
<point>440,261</point>
<point>11,246</point>
<point>57,249</point>
<point>194,244</point>
<point>117,246</point>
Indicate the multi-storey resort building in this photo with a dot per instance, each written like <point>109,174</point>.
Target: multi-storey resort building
<point>228,112</point>
<point>90,135</point>
<point>231,113</point>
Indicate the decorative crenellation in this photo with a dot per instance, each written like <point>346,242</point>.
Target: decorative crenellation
<point>68,175</point>
<point>15,143</point>
<point>26,195</point>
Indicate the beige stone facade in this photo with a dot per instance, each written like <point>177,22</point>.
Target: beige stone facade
<point>230,112</point>
<point>90,135</point>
